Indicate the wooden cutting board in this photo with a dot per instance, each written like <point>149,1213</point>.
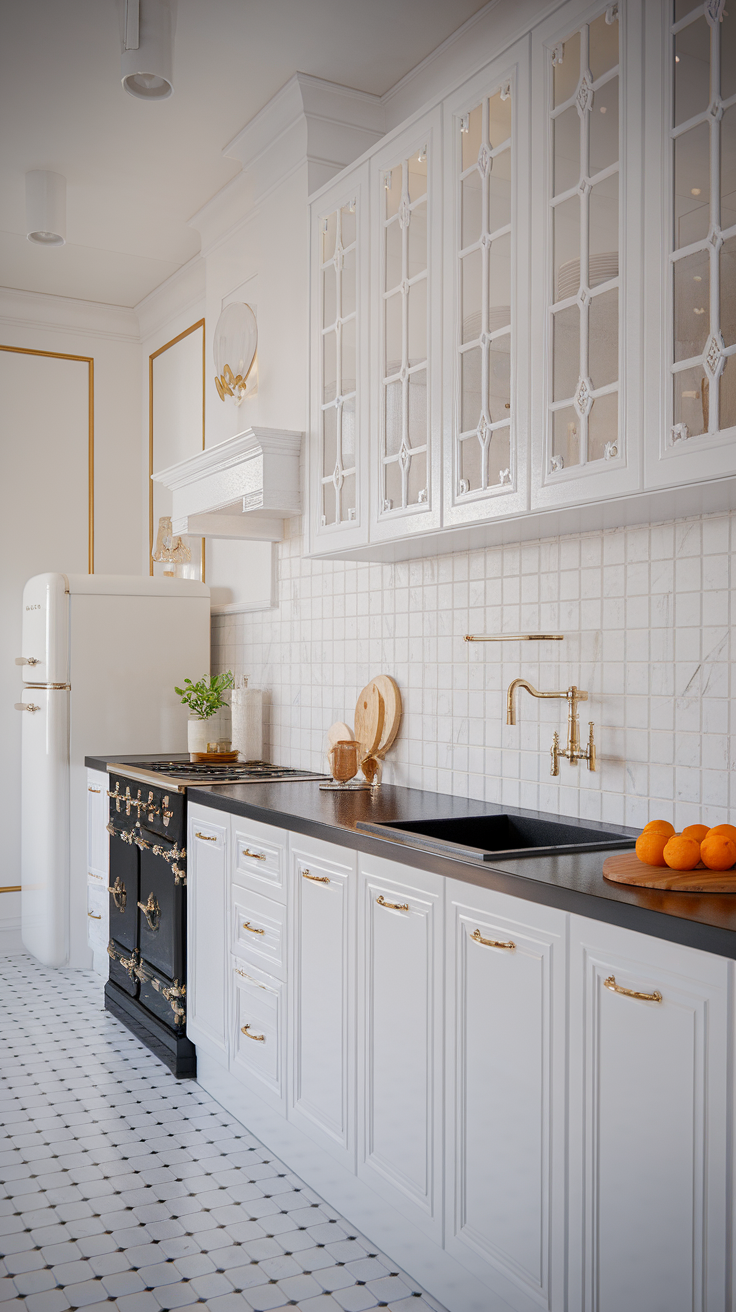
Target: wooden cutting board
<point>628,869</point>
<point>391,712</point>
<point>339,732</point>
<point>369,718</point>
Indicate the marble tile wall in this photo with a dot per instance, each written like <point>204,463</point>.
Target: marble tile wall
<point>647,615</point>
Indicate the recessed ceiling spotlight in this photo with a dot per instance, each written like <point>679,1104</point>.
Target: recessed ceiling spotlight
<point>45,208</point>
<point>148,40</point>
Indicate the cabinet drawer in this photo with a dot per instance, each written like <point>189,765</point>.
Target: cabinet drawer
<point>260,858</point>
<point>257,1047</point>
<point>259,930</point>
<point>97,919</point>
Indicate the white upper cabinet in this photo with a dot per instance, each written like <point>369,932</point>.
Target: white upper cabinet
<point>586,253</point>
<point>406,308</point>
<point>486,290</point>
<point>693,339</point>
<point>339,407</point>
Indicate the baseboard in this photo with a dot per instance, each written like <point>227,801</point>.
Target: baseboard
<point>11,944</point>
<point>396,1236</point>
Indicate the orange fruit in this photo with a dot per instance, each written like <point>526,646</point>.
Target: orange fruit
<point>681,852</point>
<point>718,851</point>
<point>659,827</point>
<point>697,832</point>
<point>728,830</point>
<point>650,846</point>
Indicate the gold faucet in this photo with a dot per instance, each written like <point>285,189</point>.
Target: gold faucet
<point>573,752</point>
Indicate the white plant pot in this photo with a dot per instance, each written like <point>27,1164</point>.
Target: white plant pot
<point>198,734</point>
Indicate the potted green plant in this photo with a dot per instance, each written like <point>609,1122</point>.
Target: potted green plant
<point>204,698</point>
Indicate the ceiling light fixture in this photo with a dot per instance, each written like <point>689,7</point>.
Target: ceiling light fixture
<point>46,208</point>
<point>148,39</point>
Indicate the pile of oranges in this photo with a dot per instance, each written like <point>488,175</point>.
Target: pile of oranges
<point>659,845</point>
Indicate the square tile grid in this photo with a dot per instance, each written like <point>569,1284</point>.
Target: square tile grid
<point>647,618</point>
<point>123,1187</point>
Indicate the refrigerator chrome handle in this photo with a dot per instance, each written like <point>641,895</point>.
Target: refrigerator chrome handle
<point>26,706</point>
<point>27,660</point>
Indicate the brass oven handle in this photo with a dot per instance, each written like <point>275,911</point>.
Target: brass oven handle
<point>394,906</point>
<point>151,911</point>
<point>491,942</point>
<point>119,895</point>
<point>257,856</point>
<point>93,917</point>
<point>317,879</point>
<point>611,984</point>
<point>259,1038</point>
<point>94,790</point>
<point>208,838</point>
<point>247,925</point>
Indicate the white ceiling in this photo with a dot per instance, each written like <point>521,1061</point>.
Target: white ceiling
<point>136,172</point>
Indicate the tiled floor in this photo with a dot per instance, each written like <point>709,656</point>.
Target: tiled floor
<point>121,1186</point>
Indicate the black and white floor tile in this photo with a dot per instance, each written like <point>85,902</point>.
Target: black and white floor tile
<point>123,1187</point>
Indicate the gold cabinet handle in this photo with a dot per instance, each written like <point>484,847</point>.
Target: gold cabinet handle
<point>93,917</point>
<point>317,879</point>
<point>26,706</point>
<point>208,838</point>
<point>259,1038</point>
<point>256,856</point>
<point>94,790</point>
<point>611,984</point>
<point>491,942</point>
<point>394,906</point>
<point>247,925</point>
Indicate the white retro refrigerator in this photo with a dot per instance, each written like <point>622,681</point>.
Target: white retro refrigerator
<point>101,655</point>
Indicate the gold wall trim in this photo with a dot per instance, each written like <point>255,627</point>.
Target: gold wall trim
<point>154,354</point>
<point>89,361</point>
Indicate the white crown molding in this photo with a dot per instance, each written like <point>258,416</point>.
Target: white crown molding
<point>65,314</point>
<point>182,295</point>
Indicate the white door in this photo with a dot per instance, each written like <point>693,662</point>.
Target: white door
<point>400,1037</point>
<point>207,909</point>
<point>323,995</point>
<point>505,1062</point>
<point>648,1123</point>
<point>98,840</point>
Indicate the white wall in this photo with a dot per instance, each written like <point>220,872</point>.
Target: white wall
<point>43,516</point>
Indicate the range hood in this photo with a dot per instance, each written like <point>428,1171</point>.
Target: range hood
<point>242,488</point>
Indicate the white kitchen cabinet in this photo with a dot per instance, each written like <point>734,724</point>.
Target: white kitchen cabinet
<point>208,852</point>
<point>258,1032</point>
<point>259,857</point>
<point>400,1018</point>
<point>98,841</point>
<point>648,1120</point>
<point>506,1074</point>
<point>322,996</point>
<point>258,930</point>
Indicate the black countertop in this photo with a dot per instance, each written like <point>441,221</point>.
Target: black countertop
<point>571,882</point>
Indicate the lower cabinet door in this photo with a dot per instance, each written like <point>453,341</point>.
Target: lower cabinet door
<point>648,1117</point>
<point>400,1037</point>
<point>322,996</point>
<point>505,1064</point>
<point>98,840</point>
<point>257,1047</point>
<point>207,908</point>
<point>97,922</point>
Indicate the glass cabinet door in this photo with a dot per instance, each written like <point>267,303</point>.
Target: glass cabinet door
<point>339,308</point>
<point>486,242</point>
<point>406,275</point>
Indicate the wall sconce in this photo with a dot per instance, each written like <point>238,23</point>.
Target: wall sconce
<point>236,339</point>
<point>169,550</point>
<point>46,208</point>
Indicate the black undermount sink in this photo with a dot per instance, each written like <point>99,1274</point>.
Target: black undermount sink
<point>492,837</point>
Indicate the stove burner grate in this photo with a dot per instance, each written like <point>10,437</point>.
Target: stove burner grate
<point>208,772</point>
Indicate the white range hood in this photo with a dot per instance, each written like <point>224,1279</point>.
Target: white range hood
<point>242,488</point>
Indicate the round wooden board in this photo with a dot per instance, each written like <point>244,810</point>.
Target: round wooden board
<point>369,715</point>
<point>391,711</point>
<point>628,869</point>
<point>339,732</point>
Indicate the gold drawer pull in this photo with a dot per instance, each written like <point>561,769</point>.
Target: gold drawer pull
<point>93,917</point>
<point>247,925</point>
<point>94,790</point>
<point>208,838</point>
<point>259,1038</point>
<point>611,984</point>
<point>317,879</point>
<point>491,942</point>
<point>394,906</point>
<point>256,856</point>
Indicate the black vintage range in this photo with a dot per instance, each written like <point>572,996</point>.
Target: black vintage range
<point>146,989</point>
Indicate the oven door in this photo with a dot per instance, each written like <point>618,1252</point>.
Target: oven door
<point>161,914</point>
<point>123,889</point>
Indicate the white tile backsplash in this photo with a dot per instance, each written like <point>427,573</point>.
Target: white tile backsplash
<point>646,614</point>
